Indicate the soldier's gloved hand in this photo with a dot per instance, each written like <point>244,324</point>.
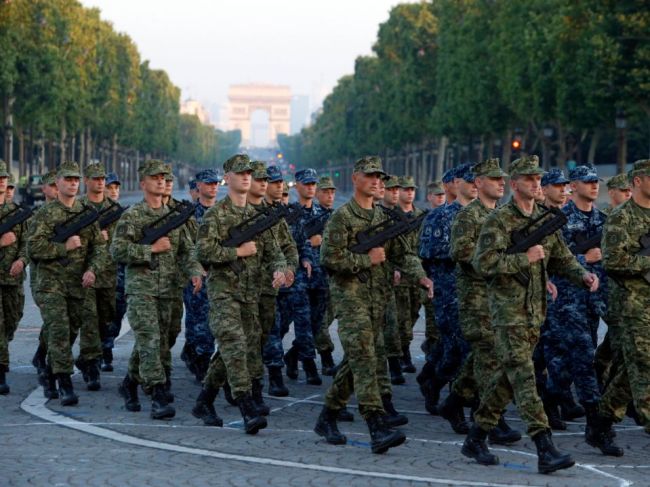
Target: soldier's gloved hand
<point>278,279</point>
<point>552,290</point>
<point>73,242</point>
<point>197,283</point>
<point>591,281</point>
<point>16,268</point>
<point>246,249</point>
<point>535,254</point>
<point>163,244</point>
<point>88,279</point>
<point>593,255</point>
<point>7,239</point>
<point>289,277</point>
<point>377,255</point>
<point>427,284</point>
<point>316,240</point>
<point>397,277</point>
<point>307,267</point>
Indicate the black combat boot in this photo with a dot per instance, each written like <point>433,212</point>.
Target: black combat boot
<point>327,428</point>
<point>291,360</point>
<point>327,363</point>
<point>345,415</point>
<point>382,437</point>
<point>66,391</point>
<point>160,408</point>
<point>476,448</point>
<point>204,407</point>
<point>40,364</point>
<point>188,356</point>
<point>598,432</point>
<point>276,384</point>
<point>4,387</point>
<point>92,372</point>
<point>392,418</point>
<point>253,422</point>
<point>503,434</point>
<point>169,395</point>
<point>49,384</point>
<point>407,364</point>
<point>395,369</point>
<point>311,372</point>
<point>549,459</point>
<point>452,410</point>
<point>430,387</point>
<point>569,410</point>
<point>552,413</point>
<point>201,365</point>
<point>82,366</point>
<point>128,389</point>
<point>227,393</point>
<point>258,400</point>
<point>107,359</point>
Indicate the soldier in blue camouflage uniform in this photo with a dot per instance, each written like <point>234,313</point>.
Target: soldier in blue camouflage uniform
<point>435,252</point>
<point>199,342</point>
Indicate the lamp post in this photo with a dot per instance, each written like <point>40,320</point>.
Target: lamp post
<point>547,133</point>
<point>621,140</point>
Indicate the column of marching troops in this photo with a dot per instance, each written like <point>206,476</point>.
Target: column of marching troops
<point>501,326</point>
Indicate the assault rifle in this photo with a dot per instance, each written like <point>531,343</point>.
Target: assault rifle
<point>522,240</point>
<point>72,226</point>
<point>15,217</point>
<point>292,213</point>
<point>267,217</point>
<point>645,252</point>
<point>316,225</point>
<point>108,215</point>
<point>584,243</point>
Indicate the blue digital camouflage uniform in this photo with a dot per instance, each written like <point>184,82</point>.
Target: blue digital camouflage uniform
<point>574,317</point>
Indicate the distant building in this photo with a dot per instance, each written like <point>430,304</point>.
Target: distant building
<point>299,113</point>
<point>193,107</point>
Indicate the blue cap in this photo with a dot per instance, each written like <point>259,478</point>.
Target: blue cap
<point>207,176</point>
<point>112,178</point>
<point>448,175</point>
<point>274,173</point>
<point>586,174</point>
<point>306,176</point>
<point>554,176</point>
<point>464,171</point>
<point>192,184</point>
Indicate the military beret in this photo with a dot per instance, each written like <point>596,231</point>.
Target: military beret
<point>274,173</point>
<point>489,168</point>
<point>112,178</point>
<point>407,182</point>
<point>392,182</point>
<point>152,167</point>
<point>554,176</point>
<point>326,182</point>
<point>238,163</point>
<point>68,169</point>
<point>4,173</point>
<point>207,176</point>
<point>585,173</point>
<point>526,165</point>
<point>95,170</point>
<point>435,187</point>
<point>369,165</point>
<point>619,181</point>
<point>306,176</point>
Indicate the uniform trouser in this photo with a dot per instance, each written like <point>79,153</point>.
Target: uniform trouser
<point>236,327</point>
<point>452,347</point>
<point>176,322</point>
<point>120,310</point>
<point>150,319</point>
<point>12,302</point>
<point>197,320</point>
<point>98,314</point>
<point>267,317</point>
<point>323,339</point>
<point>514,377</point>
<point>61,319</point>
<point>630,379</point>
<point>408,300</point>
<point>308,307</point>
<point>272,350</point>
<point>431,328</point>
<point>363,370</point>
<point>392,339</point>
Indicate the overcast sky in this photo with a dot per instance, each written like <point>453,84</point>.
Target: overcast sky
<point>206,45</point>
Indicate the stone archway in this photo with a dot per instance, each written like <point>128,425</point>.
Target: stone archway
<point>246,99</point>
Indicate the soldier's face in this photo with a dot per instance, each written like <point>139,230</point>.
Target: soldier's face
<point>258,187</point>
<point>285,198</point>
<point>274,190</point>
<point>468,190</point>
<point>50,191</point>
<point>95,185</point>
<point>169,187</point>
<point>555,193</point>
<point>526,185</point>
<point>436,200</point>
<point>367,184</point>
<point>585,191</point>
<point>154,185</point>
<point>391,196</point>
<point>492,188</point>
<point>406,195</point>
<point>326,197</point>
<point>381,190</point>
<point>306,190</point>
<point>451,188</point>
<point>239,182</point>
<point>207,190</point>
<point>113,191</point>
<point>642,186</point>
<point>3,184</point>
<point>11,190</point>
<point>68,186</point>
<point>619,196</point>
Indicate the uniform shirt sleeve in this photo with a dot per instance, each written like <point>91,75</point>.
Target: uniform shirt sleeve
<point>208,242</point>
<point>39,246</point>
<point>98,256</point>
<point>334,252</point>
<point>562,262</point>
<point>618,257</point>
<point>490,258</point>
<point>463,239</point>
<point>124,247</point>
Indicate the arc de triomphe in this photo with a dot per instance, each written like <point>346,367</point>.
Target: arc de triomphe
<point>246,99</point>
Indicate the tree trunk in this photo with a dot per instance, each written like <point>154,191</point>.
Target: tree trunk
<point>442,155</point>
<point>62,142</point>
<point>8,130</point>
<point>507,150</point>
<point>82,148</point>
<point>114,154</point>
<point>21,154</point>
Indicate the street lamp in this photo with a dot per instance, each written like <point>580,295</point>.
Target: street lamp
<point>621,139</point>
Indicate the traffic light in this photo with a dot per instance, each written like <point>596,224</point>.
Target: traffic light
<point>337,174</point>
<point>516,143</point>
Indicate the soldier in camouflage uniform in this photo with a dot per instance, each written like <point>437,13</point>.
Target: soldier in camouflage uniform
<point>11,188</point>
<point>13,259</point>
<point>435,194</point>
<point>360,308</point>
<point>151,288</point>
<point>199,341</point>
<point>235,277</point>
<point>517,312</point>
<point>444,363</point>
<point>64,273</point>
<point>618,190</point>
<point>626,232</point>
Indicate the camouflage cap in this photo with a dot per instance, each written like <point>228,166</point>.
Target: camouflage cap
<point>369,165</point>
<point>464,172</point>
<point>407,182</point>
<point>489,168</point>
<point>326,182</point>
<point>449,175</point>
<point>554,176</point>
<point>152,167</point>
<point>619,181</point>
<point>306,176</point>
<point>68,169</point>
<point>238,163</point>
<point>95,170</point>
<point>259,170</point>
<point>525,166</point>
<point>169,176</point>
<point>640,168</point>
<point>285,188</point>
<point>585,173</point>
<point>11,183</point>
<point>192,184</point>
<point>274,173</point>
<point>49,177</point>
<point>3,169</point>
<point>112,178</point>
<point>209,176</point>
<point>392,182</point>
<point>435,187</point>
